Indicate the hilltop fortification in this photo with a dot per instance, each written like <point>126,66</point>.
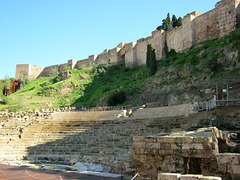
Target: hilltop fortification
<point>196,28</point>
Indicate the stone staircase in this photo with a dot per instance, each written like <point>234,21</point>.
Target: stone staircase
<point>87,136</point>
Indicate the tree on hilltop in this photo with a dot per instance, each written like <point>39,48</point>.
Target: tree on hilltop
<point>168,21</point>
<point>174,21</point>
<point>168,24</point>
<point>179,21</point>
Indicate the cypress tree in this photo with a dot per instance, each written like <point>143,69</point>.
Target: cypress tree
<point>151,60</point>
<point>159,28</point>
<point>174,21</point>
<point>164,24</point>
<point>168,22</point>
<point>148,61</point>
<point>179,21</point>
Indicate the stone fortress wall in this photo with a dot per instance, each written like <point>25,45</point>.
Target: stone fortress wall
<point>196,28</point>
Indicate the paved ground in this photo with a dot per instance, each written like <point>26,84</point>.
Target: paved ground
<point>23,173</point>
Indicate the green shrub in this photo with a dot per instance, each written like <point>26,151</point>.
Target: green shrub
<point>116,98</point>
<point>25,80</point>
<point>4,100</point>
<point>47,83</point>
<point>171,53</point>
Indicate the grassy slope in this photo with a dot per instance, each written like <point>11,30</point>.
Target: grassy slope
<point>85,87</point>
<point>92,85</point>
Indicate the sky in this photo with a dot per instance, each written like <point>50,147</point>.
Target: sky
<point>50,32</point>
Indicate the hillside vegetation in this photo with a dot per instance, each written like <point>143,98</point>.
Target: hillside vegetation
<point>205,65</point>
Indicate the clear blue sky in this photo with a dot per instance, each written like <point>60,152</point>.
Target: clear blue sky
<point>48,32</point>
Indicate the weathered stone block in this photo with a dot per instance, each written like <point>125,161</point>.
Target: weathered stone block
<point>197,146</point>
<point>138,139</point>
<point>136,151</point>
<point>169,139</point>
<point>183,139</point>
<point>191,177</point>
<point>186,146</point>
<point>201,139</point>
<point>153,145</point>
<point>150,139</point>
<point>175,146</point>
<point>222,168</point>
<point>165,146</point>
<point>233,169</point>
<point>139,145</point>
<point>211,178</point>
<point>151,152</point>
<point>228,158</point>
<point>168,176</point>
<point>169,152</point>
<point>160,139</point>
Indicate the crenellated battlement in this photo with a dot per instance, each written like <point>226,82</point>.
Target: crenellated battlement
<point>196,27</point>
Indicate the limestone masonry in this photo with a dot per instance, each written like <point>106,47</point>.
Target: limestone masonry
<point>196,28</point>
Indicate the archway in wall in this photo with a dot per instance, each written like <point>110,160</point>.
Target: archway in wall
<point>193,165</point>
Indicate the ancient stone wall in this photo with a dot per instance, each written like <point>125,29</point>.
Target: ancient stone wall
<point>22,70</point>
<point>108,57</point>
<point>127,55</point>
<point>206,27</point>
<point>72,63</point>
<point>60,68</point>
<point>196,28</point>
<point>227,15</point>
<point>169,154</point>
<point>35,71</point>
<point>181,38</point>
<point>194,152</point>
<point>141,51</point>
<point>82,63</point>
<point>47,71</point>
<point>158,42</point>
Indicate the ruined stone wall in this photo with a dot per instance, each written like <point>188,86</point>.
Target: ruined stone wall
<point>206,26</point>
<point>238,12</point>
<point>22,70</point>
<point>62,67</point>
<point>194,152</point>
<point>35,71</point>
<point>181,38</point>
<point>130,57</point>
<point>196,28</point>
<point>169,154</point>
<point>72,63</point>
<point>127,55</point>
<point>141,51</point>
<point>47,71</point>
<point>228,165</point>
<point>108,57</point>
<point>82,63</point>
<point>227,14</point>
<point>158,43</point>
